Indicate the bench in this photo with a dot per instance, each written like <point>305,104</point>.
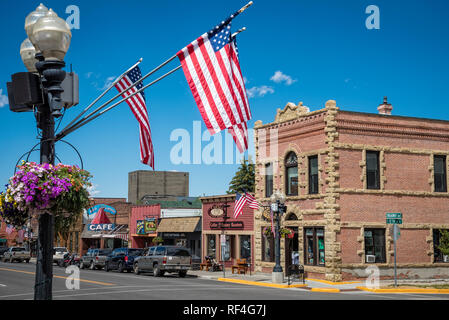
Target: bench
<point>241,266</point>
<point>205,266</point>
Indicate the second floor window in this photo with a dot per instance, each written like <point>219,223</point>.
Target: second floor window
<point>313,174</point>
<point>291,174</point>
<point>372,170</point>
<point>439,164</point>
<point>268,180</point>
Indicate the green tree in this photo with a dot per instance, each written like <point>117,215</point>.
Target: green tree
<point>244,178</point>
<point>444,242</point>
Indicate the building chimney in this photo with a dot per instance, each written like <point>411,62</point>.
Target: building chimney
<point>385,108</point>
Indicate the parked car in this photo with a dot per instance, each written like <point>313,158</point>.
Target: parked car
<point>94,258</point>
<point>58,253</point>
<point>122,259</point>
<point>161,259</point>
<point>16,254</point>
<point>2,251</point>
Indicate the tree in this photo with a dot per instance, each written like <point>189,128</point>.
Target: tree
<point>444,242</point>
<point>244,178</point>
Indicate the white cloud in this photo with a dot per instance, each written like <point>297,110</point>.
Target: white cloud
<point>279,77</point>
<point>108,82</point>
<point>89,74</point>
<point>3,99</point>
<point>93,190</point>
<point>259,91</point>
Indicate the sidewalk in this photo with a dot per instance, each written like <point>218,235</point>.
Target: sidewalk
<point>316,285</point>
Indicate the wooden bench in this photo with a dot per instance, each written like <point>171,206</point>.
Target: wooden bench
<point>241,266</point>
<point>205,265</point>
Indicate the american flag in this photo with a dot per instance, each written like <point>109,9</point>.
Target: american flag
<point>137,103</point>
<point>252,202</point>
<point>10,229</point>
<point>240,202</point>
<point>212,69</point>
<point>239,133</point>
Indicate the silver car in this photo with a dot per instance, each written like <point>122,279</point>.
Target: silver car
<point>161,259</point>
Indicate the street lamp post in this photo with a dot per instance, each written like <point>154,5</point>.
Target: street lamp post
<point>278,207</point>
<point>50,38</point>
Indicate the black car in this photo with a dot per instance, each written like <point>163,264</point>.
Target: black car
<point>122,259</point>
<point>2,250</point>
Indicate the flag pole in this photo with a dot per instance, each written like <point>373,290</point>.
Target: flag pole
<point>81,123</point>
<point>101,96</point>
<point>86,119</point>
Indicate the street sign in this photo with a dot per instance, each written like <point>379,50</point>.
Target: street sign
<point>397,215</point>
<point>394,221</point>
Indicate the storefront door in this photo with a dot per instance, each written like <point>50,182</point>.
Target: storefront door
<point>292,249</point>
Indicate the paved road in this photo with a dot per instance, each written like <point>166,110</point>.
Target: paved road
<point>17,281</point>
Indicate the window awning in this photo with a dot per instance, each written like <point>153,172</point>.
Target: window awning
<point>184,224</point>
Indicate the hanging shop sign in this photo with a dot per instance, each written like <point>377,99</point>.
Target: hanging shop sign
<point>140,226</point>
<point>216,211</point>
<point>101,227</point>
<point>150,225</point>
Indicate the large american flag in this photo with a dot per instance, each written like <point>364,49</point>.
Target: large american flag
<point>211,66</point>
<point>240,201</point>
<point>137,103</point>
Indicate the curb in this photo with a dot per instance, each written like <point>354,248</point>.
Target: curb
<point>426,291</point>
<point>333,290</point>
<point>333,283</point>
<point>263,284</point>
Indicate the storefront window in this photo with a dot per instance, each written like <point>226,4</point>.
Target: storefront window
<point>437,254</point>
<point>314,247</point>
<point>267,248</point>
<point>375,244</point>
<point>211,245</point>
<point>227,249</point>
<point>245,248</point>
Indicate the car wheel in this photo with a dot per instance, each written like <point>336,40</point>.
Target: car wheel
<point>182,273</point>
<point>156,270</point>
<point>27,260</point>
<point>106,267</point>
<point>120,267</point>
<point>136,269</point>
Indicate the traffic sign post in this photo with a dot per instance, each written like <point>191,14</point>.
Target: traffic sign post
<point>395,218</point>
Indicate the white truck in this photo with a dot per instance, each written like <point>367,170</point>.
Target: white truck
<point>17,254</point>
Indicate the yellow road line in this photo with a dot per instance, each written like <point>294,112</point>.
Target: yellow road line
<point>417,290</point>
<point>263,284</point>
<point>60,277</point>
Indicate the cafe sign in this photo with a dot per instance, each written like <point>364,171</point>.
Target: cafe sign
<point>101,227</point>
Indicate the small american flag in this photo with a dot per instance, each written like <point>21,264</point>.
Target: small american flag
<point>137,103</point>
<point>10,229</point>
<point>240,202</point>
<point>252,202</point>
<point>211,66</point>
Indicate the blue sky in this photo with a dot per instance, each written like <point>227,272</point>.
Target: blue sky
<point>292,50</point>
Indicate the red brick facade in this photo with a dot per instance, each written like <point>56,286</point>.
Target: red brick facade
<point>241,230</point>
<point>345,207</point>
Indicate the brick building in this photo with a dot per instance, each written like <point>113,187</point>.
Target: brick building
<point>239,232</point>
<point>342,172</point>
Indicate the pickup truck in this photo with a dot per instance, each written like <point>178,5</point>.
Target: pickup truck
<point>17,254</point>
<point>94,258</point>
<point>161,259</point>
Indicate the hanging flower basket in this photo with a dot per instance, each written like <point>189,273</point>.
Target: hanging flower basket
<point>284,232</point>
<point>36,189</point>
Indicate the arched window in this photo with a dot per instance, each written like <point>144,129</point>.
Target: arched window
<point>291,216</point>
<point>291,174</point>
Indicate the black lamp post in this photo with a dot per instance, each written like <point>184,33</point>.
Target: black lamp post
<point>49,40</point>
<point>278,207</point>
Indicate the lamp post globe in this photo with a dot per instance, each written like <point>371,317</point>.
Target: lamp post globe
<point>28,55</point>
<point>51,36</point>
<point>31,19</point>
